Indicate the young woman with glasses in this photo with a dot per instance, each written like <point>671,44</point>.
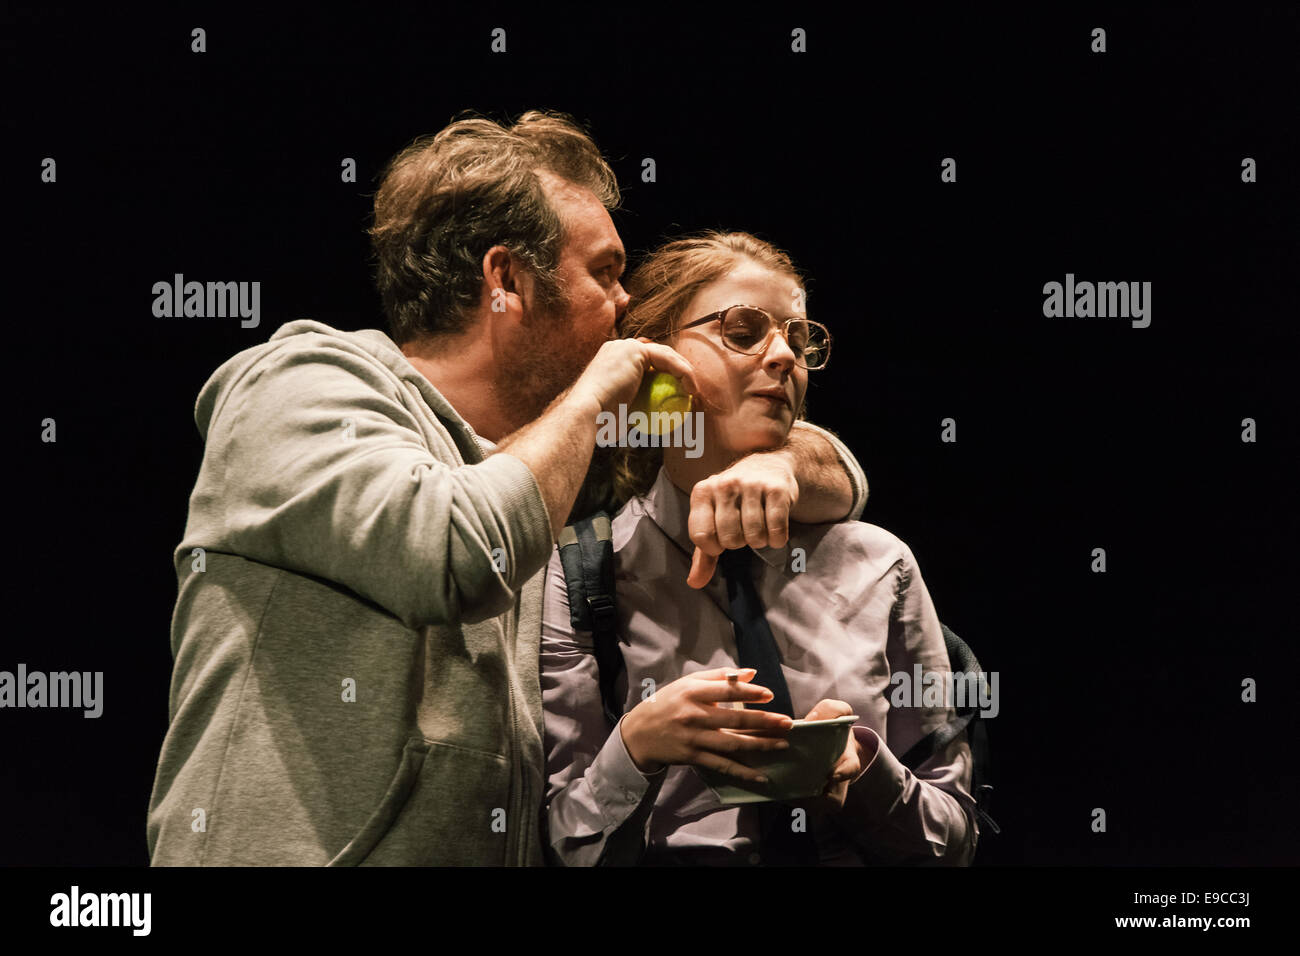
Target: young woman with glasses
<point>827,617</point>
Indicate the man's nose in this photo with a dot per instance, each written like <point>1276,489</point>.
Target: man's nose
<point>620,303</point>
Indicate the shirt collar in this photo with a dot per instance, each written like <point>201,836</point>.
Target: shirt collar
<point>669,507</point>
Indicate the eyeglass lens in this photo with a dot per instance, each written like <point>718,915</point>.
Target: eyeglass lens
<point>746,330</point>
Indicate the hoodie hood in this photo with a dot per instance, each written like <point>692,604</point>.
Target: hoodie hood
<point>372,342</point>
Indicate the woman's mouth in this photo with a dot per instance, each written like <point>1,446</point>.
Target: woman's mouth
<point>774,395</point>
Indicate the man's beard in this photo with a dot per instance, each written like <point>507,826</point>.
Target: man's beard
<point>539,365</point>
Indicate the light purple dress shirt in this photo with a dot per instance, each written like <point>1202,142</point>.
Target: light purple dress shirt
<point>858,613</point>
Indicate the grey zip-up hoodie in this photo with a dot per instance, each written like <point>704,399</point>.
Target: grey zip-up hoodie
<point>355,634</point>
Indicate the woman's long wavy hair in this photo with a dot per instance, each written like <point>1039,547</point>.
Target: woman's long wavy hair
<point>660,289</point>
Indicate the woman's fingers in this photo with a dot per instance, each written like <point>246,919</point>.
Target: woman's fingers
<point>726,742</point>
<point>718,717</point>
<point>720,673</point>
<point>826,709</point>
<point>730,767</point>
<point>724,690</point>
<point>846,769</point>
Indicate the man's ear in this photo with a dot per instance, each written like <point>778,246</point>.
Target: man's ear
<point>505,283</point>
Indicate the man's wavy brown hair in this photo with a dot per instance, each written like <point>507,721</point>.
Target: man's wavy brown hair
<point>447,198</point>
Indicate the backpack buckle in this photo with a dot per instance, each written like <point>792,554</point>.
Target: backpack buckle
<point>603,615</point>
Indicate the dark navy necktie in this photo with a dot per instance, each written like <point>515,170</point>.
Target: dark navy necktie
<point>755,645</point>
<point>756,648</point>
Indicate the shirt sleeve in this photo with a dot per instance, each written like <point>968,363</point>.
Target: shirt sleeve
<point>598,803</point>
<point>314,464</point>
<point>895,815</point>
<point>857,477</point>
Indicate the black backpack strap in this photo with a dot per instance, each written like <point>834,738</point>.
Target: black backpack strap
<point>587,554</point>
<point>979,749</point>
<point>962,660</point>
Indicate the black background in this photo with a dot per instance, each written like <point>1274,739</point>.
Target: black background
<point>1118,690</point>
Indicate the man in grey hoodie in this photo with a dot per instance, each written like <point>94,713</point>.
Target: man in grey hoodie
<point>360,579</point>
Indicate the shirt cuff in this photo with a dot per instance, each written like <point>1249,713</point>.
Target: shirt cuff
<point>617,784</point>
<point>880,785</point>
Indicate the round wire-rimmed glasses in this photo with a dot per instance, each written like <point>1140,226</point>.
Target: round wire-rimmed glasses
<point>748,330</point>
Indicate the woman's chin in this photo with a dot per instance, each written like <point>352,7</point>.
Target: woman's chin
<point>765,437</point>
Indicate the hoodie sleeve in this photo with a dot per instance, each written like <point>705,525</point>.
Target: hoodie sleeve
<point>314,464</point>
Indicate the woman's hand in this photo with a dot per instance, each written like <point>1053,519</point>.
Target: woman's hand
<point>681,724</point>
<point>853,761</point>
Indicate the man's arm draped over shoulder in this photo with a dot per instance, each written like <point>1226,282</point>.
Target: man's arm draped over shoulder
<point>832,485</point>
